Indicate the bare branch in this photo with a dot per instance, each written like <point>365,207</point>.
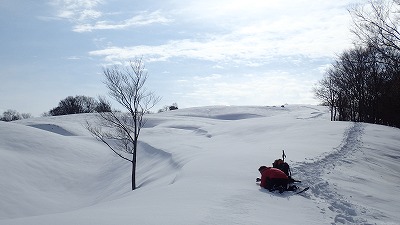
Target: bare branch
<point>126,85</point>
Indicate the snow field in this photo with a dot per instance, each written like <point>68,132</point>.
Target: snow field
<point>198,166</point>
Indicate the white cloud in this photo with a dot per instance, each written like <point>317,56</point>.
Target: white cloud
<point>77,10</point>
<point>217,49</point>
<point>86,17</point>
<point>251,50</point>
<point>142,19</point>
<point>73,58</point>
<point>271,88</point>
<point>208,78</point>
<point>247,33</point>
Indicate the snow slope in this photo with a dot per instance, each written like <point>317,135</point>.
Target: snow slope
<point>198,166</point>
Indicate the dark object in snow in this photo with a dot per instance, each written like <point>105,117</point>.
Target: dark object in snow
<point>302,190</point>
<point>282,165</point>
<point>293,188</point>
<point>277,177</point>
<point>273,178</point>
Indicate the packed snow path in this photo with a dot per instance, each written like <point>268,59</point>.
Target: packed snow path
<point>322,191</point>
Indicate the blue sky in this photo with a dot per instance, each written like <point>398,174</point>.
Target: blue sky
<point>197,53</point>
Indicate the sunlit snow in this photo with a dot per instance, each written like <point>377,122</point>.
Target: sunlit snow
<point>198,166</point>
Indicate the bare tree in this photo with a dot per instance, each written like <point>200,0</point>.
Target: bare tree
<point>120,131</point>
<point>376,25</point>
<point>326,92</point>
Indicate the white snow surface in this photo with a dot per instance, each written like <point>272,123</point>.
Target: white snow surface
<point>198,166</point>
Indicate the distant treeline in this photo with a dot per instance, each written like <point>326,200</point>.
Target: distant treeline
<point>363,84</point>
<point>74,105</point>
<point>11,115</point>
<point>85,104</point>
<point>80,104</point>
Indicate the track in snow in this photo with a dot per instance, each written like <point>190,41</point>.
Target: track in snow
<point>312,174</point>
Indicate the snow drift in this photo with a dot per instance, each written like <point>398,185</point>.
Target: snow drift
<point>198,166</point>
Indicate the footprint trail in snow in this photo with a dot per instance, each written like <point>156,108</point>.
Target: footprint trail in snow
<point>312,173</point>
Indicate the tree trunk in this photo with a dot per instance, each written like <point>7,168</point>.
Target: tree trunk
<point>133,175</point>
<point>135,146</point>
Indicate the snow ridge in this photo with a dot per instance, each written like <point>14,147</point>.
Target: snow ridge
<point>321,190</point>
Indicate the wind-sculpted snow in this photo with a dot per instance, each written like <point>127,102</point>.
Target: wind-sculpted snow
<point>197,130</point>
<point>237,116</point>
<point>198,166</point>
<point>315,113</point>
<point>231,113</point>
<point>160,168</point>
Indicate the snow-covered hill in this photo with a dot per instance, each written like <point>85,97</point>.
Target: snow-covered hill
<point>198,166</point>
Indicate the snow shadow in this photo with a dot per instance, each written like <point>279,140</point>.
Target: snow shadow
<point>195,129</point>
<point>316,113</point>
<point>53,128</point>
<point>156,166</point>
<point>286,194</point>
<point>237,116</point>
